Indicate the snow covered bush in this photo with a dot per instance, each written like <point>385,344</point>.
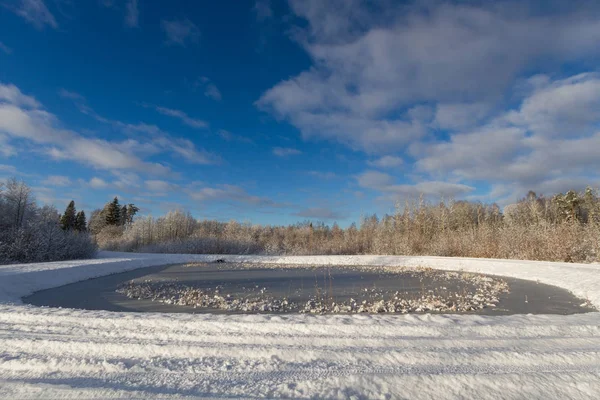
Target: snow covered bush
<point>33,234</point>
<point>560,228</point>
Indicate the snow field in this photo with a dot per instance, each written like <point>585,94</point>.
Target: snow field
<point>47,352</point>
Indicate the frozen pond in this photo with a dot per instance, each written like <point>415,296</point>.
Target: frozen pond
<point>255,288</point>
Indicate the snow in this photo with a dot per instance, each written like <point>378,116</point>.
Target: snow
<point>46,352</point>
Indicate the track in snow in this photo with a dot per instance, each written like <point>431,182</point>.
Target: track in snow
<point>48,352</point>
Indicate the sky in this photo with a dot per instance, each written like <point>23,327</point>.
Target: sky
<point>274,111</point>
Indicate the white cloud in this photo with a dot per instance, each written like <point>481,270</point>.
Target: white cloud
<point>186,149</point>
<point>210,89</point>
<point>553,134</point>
<point>133,13</point>
<point>372,62</point>
<point>67,94</point>
<point>459,116</point>
<point>213,92</point>
<point>323,175</point>
<point>180,32</point>
<point>385,184</point>
<point>43,128</point>
<point>155,185</point>
<point>35,12</point>
<point>159,140</point>
<point>285,151</point>
<point>57,180</point>
<point>98,183</point>
<point>386,162</point>
<point>186,119</point>
<point>233,193</point>
<point>5,48</point>
<point>8,168</point>
<point>230,137</point>
<point>263,10</point>
<point>562,108</point>
<point>12,95</point>
<point>6,149</point>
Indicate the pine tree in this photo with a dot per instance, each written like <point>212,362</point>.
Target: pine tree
<point>123,215</point>
<point>80,222</point>
<point>113,214</point>
<point>131,211</point>
<point>68,219</point>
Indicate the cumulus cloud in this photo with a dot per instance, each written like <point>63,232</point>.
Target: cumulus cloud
<point>180,32</point>
<point>440,85</point>
<point>369,65</point>
<point>33,11</point>
<point>460,116</point>
<point>285,151</point>
<point>550,137</point>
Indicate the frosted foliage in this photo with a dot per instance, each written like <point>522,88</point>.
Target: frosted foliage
<point>30,234</point>
<point>560,228</point>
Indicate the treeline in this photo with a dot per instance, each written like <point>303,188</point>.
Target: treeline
<point>565,227</point>
<point>29,233</point>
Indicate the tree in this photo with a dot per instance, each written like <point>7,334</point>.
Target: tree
<point>113,212</point>
<point>97,221</point>
<point>123,215</point>
<point>131,211</point>
<point>80,222</point>
<point>19,203</point>
<point>68,219</point>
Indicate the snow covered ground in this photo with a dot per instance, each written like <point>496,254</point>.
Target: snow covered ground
<point>48,352</point>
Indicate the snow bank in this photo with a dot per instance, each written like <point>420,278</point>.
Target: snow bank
<point>21,280</point>
<point>47,352</point>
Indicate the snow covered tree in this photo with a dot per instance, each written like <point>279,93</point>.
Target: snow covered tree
<point>113,212</point>
<point>32,234</point>
<point>19,203</point>
<point>97,221</point>
<point>123,215</point>
<point>68,219</point>
<point>131,211</point>
<point>80,222</point>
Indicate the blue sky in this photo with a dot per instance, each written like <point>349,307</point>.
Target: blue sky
<point>279,111</point>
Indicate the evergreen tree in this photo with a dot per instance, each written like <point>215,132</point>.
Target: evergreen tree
<point>80,222</point>
<point>131,211</point>
<point>68,219</point>
<point>123,215</point>
<point>113,214</point>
